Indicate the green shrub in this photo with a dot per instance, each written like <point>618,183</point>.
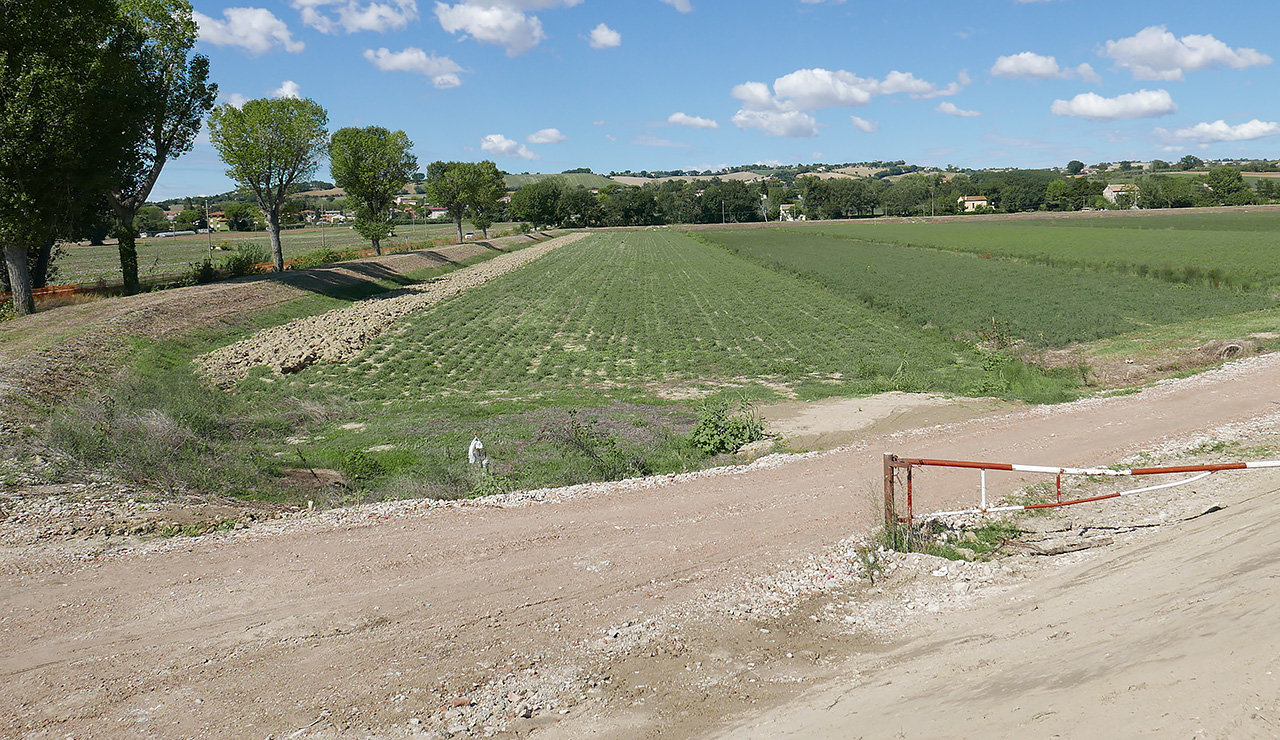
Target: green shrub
<point>203,272</point>
<point>245,259</point>
<point>725,426</point>
<point>360,465</point>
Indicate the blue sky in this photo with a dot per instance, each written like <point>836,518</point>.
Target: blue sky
<point>549,85</point>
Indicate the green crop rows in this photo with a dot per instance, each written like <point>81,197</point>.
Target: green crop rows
<point>967,296</point>
<point>647,310</point>
<point>1222,250</point>
<point>580,348</point>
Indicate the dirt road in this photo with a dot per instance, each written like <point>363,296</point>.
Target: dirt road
<point>614,610</point>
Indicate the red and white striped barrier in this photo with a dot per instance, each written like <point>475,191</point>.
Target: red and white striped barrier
<point>893,463</point>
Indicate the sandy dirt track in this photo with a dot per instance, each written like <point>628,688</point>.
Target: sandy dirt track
<point>542,618</point>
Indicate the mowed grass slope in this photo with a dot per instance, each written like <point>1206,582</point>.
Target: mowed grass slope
<point>1235,250</point>
<point>967,296</point>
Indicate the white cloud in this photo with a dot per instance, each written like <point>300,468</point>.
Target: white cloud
<point>1088,75</point>
<point>353,17</point>
<point>500,146</point>
<point>1217,131</point>
<point>443,71</point>
<point>951,109</point>
<point>599,123</point>
<point>546,136</point>
<point>812,89</point>
<point>287,89</point>
<point>780,112</point>
<point>501,25</point>
<point>255,30</point>
<point>1026,64</point>
<point>684,6</point>
<point>863,125</point>
<point>1029,65</point>
<point>603,37</point>
<point>1154,54</point>
<point>681,119</point>
<point>1142,104</point>
<point>235,100</point>
<point>791,124</point>
<point>809,89</point>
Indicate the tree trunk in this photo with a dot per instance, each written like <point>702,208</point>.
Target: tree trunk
<point>128,247</point>
<point>15,259</point>
<point>273,230</point>
<point>457,221</point>
<point>377,246</point>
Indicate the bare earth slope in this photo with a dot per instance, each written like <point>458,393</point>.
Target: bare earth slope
<point>1173,636</point>
<point>429,620</point>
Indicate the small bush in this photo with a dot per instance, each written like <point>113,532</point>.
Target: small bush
<point>360,465</point>
<point>245,259</point>
<point>725,426</point>
<point>203,272</point>
<point>8,311</point>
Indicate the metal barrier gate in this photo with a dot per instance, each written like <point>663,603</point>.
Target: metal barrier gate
<point>893,464</point>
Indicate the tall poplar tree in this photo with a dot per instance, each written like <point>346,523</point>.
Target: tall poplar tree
<point>269,145</point>
<point>178,95</point>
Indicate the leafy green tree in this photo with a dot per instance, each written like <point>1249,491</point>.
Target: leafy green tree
<point>1055,195</point>
<point>1227,185</point>
<point>1190,162</point>
<point>577,208</point>
<point>150,218</point>
<point>69,94</point>
<point>538,202</point>
<point>372,165</point>
<point>189,220</point>
<point>1074,167</point>
<point>463,188</point>
<point>240,216</point>
<point>486,200</point>
<point>269,145</point>
<point>178,95</point>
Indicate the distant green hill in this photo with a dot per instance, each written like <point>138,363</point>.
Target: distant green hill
<point>588,180</point>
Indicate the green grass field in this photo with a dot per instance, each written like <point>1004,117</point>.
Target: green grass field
<point>967,296</point>
<point>588,363</point>
<point>83,263</point>
<point>1234,250</point>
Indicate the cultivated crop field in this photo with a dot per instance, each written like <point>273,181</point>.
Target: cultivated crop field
<point>83,263</point>
<point>618,328</point>
<point>1235,250</point>
<point>965,295</point>
<point>593,361</point>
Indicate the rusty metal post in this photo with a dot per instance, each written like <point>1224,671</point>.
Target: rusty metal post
<point>890,515</point>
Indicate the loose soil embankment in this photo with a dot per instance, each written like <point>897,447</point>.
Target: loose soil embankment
<point>661,606</point>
